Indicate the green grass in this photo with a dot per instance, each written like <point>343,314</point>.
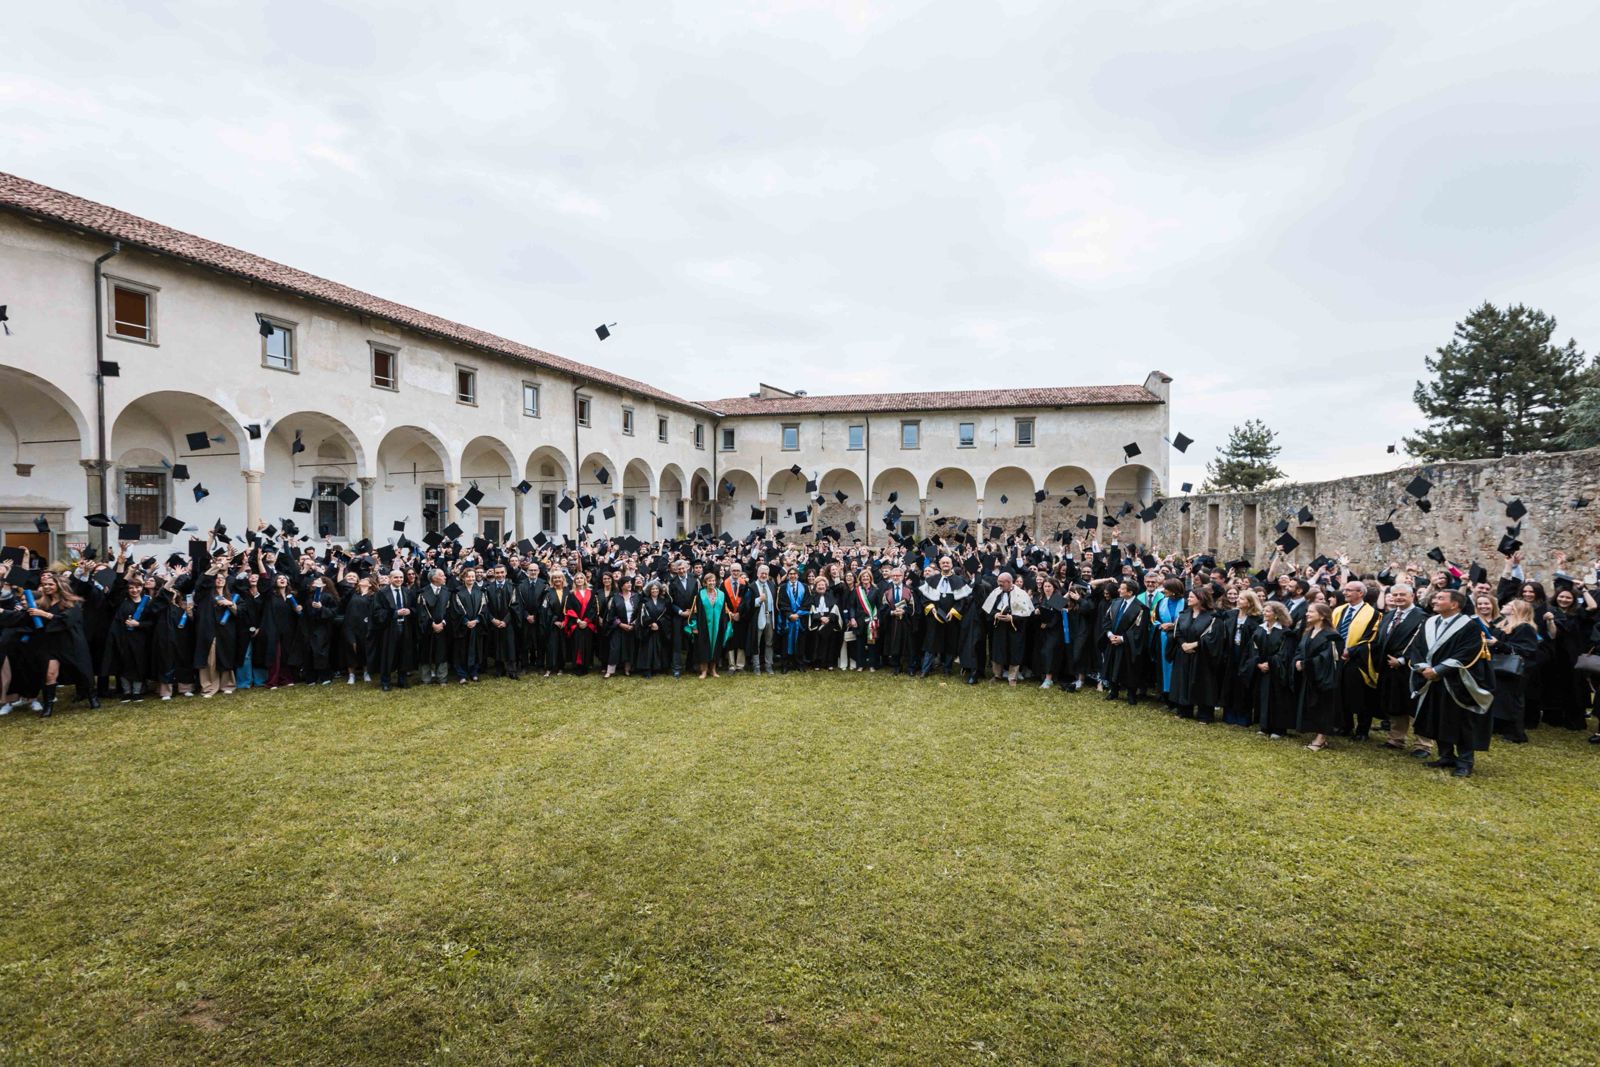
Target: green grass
<point>795,870</point>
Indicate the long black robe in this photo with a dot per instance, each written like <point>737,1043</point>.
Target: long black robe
<point>1394,639</point>
<point>1195,681</point>
<point>621,644</point>
<point>653,648</point>
<point>433,607</point>
<point>1454,709</point>
<point>1317,682</point>
<point>127,653</point>
<point>1274,687</point>
<point>1050,651</point>
<point>1122,666</point>
<point>466,644</point>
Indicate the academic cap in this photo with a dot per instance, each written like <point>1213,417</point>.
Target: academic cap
<point>705,529</point>
<point>756,514</point>
<point>254,431</point>
<point>1305,515</point>
<point>1182,442</point>
<point>602,475</point>
<point>473,495</point>
<point>129,531</point>
<point>803,515</point>
<point>1436,554</point>
<point>1387,533</point>
<point>41,524</point>
<point>602,331</point>
<point>1287,542</point>
<point>539,539</point>
<point>1091,521</point>
<point>1419,486</point>
<point>400,526</point>
<point>893,497</point>
<point>198,441</point>
<point>565,504</point>
<point>1184,507</point>
<point>172,525</point>
<point>1130,450</point>
<point>302,505</point>
<point>263,325</point>
<point>1508,545</point>
<point>850,526</point>
<point>1186,487</point>
<point>1149,513</point>
<point>110,369</point>
<point>1282,526</point>
<point>811,485</point>
<point>609,511</point>
<point>348,495</point>
<point>1111,520</point>
<point>1476,574</point>
<point>386,553</point>
<point>98,521</point>
<point>200,492</point>
<point>524,486</point>
<point>995,533</point>
<point>296,446</point>
<point>433,539</point>
<point>1425,505</point>
<point>452,531</point>
<point>840,495</point>
<point>938,483</point>
<point>587,501</point>
<point>1080,490</point>
<point>1004,499</point>
<point>180,472</point>
<point>795,470</point>
<point>1039,495</point>
<point>361,546</point>
<point>1515,510</point>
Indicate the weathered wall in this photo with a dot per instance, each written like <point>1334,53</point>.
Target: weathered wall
<point>1467,520</point>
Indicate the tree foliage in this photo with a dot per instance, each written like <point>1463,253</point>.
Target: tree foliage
<point>1499,388</point>
<point>1246,461</point>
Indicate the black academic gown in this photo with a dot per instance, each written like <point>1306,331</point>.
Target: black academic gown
<point>1275,709</point>
<point>1317,682</point>
<point>652,649</point>
<point>1453,710</point>
<point>432,646</point>
<point>1121,666</point>
<point>127,652</point>
<point>1194,674</point>
<point>466,642</point>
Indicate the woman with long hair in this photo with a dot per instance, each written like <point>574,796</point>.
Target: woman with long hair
<point>1272,647</point>
<point>1193,680</point>
<point>285,644</point>
<point>1316,668</point>
<point>322,622</point>
<point>1239,688</point>
<point>552,623</point>
<point>55,642</point>
<point>623,624</point>
<point>653,645</point>
<point>215,634</point>
<point>356,631</point>
<point>581,612</point>
<point>1051,611</point>
<point>1512,634</point>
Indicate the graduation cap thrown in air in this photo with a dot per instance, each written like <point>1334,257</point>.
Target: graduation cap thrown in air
<point>893,497</point>
<point>1282,526</point>
<point>938,483</point>
<point>348,495</point>
<point>1186,487</point>
<point>41,524</point>
<point>1304,515</point>
<point>1039,495</point>
<point>995,533</point>
<point>400,526</point>
<point>1508,545</point>
<point>811,485</point>
<point>840,495</point>
<point>97,520</point>
<point>473,495</point>
<point>253,431</point>
<point>1425,505</point>
<point>198,441</point>
<point>1130,450</point>
<point>263,325</point>
<point>1436,554</point>
<point>602,475</point>
<point>1184,507</point>
<point>609,511</point>
<point>1287,542</point>
<point>200,492</point>
<point>129,531</point>
<point>1477,574</point>
<point>1004,499</point>
<point>172,525</point>
<point>565,504</point>
<point>803,515</point>
<point>452,531</point>
<point>756,514</point>
<point>1579,502</point>
<point>297,445</point>
<point>1182,442</point>
<point>1419,486</point>
<point>1515,510</point>
<point>3,322</point>
<point>603,330</point>
<point>433,539</point>
<point>850,526</point>
<point>587,501</point>
<point>180,472</point>
<point>1387,532</point>
<point>302,505</point>
<point>110,369</point>
<point>524,486</point>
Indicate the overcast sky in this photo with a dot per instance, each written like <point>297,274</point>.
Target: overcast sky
<point>1284,206</point>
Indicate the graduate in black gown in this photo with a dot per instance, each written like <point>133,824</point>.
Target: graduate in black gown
<point>1193,652</point>
<point>1316,664</point>
<point>1272,646</point>
<point>128,642</point>
<point>652,648</point>
<point>553,625</point>
<point>469,610</point>
<point>1123,666</point>
<point>1049,609</point>
<point>622,626</point>
<point>1240,687</point>
<point>1452,684</point>
<point>432,641</point>
<point>581,613</point>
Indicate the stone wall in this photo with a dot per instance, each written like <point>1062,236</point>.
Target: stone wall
<point>1467,519</point>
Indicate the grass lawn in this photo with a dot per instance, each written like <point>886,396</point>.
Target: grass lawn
<point>793,870</point>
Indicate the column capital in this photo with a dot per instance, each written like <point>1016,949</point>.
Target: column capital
<point>368,481</point>
<point>93,465</point>
<point>252,477</point>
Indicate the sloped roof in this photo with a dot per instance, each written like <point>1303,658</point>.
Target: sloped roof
<point>953,400</point>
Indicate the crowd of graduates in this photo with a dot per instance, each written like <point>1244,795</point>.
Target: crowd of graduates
<point>1314,650</point>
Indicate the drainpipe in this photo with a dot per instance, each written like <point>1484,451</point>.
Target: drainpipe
<point>866,510</point>
<point>716,485</point>
<point>577,454</point>
<point>100,384</point>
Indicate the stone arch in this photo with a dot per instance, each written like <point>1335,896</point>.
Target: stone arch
<point>953,492</point>
<point>674,490</point>
<point>638,486</point>
<point>415,471</point>
<point>1061,485</point>
<point>547,469</point>
<point>786,494</point>
<point>733,508</point>
<point>698,511</point>
<point>147,445</point>
<point>172,415</point>
<point>34,412</point>
<point>489,463</point>
<point>1132,483</point>
<point>905,487</point>
<point>331,458</point>
<point>835,513</point>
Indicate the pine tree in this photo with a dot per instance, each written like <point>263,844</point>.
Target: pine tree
<point>1583,417</point>
<point>1245,462</point>
<point>1500,387</point>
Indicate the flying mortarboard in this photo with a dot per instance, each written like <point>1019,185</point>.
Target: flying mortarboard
<point>302,505</point>
<point>803,515</point>
<point>1282,526</point>
<point>198,441</point>
<point>296,446</point>
<point>811,485</point>
<point>1419,486</point>
<point>452,531</point>
<point>200,492</point>
<point>756,514</point>
<point>1149,513</point>
<point>1387,533</point>
<point>1130,450</point>
<point>180,472</point>
<point>263,325</point>
<point>129,531</point>
<point>995,533</point>
<point>1080,490</point>
<point>1515,510</point>
<point>1436,554</point>
<point>602,475</point>
<point>524,486</point>
<point>473,495</point>
<point>604,330</point>
<point>1186,487</point>
<point>1508,545</point>
<point>253,431</point>
<point>850,526</point>
<point>1476,574</point>
<point>1287,542</point>
<point>433,539</point>
<point>565,504</point>
<point>840,495</point>
<point>41,524</point>
<point>1182,442</point>
<point>1580,502</point>
<point>1304,515</point>
<point>110,369</point>
<point>587,501</point>
<point>1184,507</point>
<point>1424,505</point>
<point>348,495</point>
<point>609,511</point>
<point>1039,495</point>
<point>705,529</point>
<point>172,525</point>
<point>97,520</point>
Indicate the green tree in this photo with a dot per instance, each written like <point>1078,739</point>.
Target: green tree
<point>1246,461</point>
<point>1499,388</point>
<point>1583,417</point>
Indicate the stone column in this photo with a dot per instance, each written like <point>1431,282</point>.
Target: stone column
<point>923,504</point>
<point>518,500</point>
<point>653,532</point>
<point>688,516</point>
<point>252,499</point>
<point>94,477</point>
<point>447,510</point>
<point>368,506</point>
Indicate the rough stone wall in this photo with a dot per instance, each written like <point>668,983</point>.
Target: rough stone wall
<point>1467,519</point>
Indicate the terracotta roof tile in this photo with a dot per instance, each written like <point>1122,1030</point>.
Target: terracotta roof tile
<point>1055,396</point>
<point>43,202</point>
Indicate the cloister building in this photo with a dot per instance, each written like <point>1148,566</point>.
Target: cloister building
<point>132,343</point>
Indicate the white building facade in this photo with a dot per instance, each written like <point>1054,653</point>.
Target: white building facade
<point>300,388</point>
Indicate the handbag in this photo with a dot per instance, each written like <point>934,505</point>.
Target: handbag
<point>1511,663</point>
<point>1588,663</point>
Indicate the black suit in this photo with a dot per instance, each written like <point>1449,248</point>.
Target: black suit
<point>392,633</point>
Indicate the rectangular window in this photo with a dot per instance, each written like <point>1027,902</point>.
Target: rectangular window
<point>967,435</point>
<point>466,385</point>
<point>133,312</point>
<point>144,501</point>
<point>1024,433</point>
<point>330,509</point>
<point>530,400</point>
<point>729,439</point>
<point>772,517</point>
<point>277,344</point>
<point>433,517</point>
<point>627,421</point>
<point>699,435</point>
<point>492,524</point>
<point>547,511</point>
<point>630,510</point>
<point>583,410</point>
<point>858,438</point>
<point>910,434</point>
<point>791,437</point>
<point>661,428</point>
<point>385,368</point>
<point>908,527</point>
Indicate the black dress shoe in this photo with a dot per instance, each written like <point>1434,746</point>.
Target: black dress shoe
<point>1420,753</point>
<point>385,687</point>
<point>972,680</point>
<point>94,702</point>
<point>1360,737</point>
<point>1462,770</point>
<point>1441,763</point>
<point>1111,694</point>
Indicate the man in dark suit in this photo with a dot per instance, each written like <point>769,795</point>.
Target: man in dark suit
<point>391,628</point>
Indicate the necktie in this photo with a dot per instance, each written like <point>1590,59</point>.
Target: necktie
<point>1344,623</point>
<point>1122,605</point>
